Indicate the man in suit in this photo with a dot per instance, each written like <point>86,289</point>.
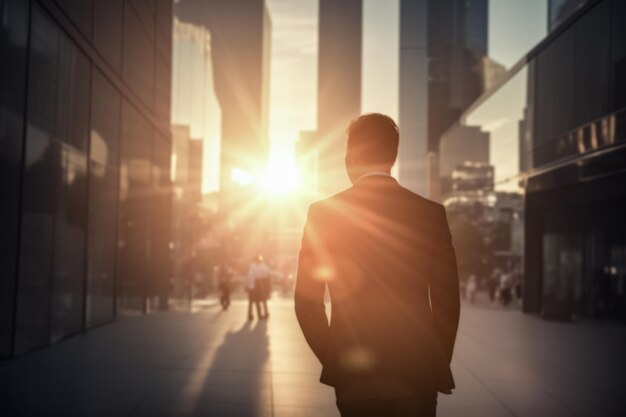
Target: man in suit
<point>386,256</point>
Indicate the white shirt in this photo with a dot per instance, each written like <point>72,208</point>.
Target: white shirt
<point>256,271</point>
<point>374,174</point>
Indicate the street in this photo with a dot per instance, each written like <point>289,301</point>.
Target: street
<point>214,363</point>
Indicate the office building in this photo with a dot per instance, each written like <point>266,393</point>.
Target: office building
<point>339,86</point>
<point>240,33</point>
<point>443,68</point>
<point>194,100</point>
<point>413,95</point>
<point>85,119</point>
<point>558,144</point>
<point>460,146</point>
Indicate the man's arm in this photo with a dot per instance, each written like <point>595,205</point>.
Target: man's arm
<point>444,288</point>
<point>309,295</point>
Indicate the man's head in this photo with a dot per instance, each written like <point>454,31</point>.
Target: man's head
<point>372,145</point>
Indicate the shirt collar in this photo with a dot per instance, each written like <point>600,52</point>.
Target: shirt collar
<point>374,174</point>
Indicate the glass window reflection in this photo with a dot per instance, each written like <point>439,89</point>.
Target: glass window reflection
<point>103,197</point>
<point>52,244</point>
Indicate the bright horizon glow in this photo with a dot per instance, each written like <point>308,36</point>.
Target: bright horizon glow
<point>281,175</point>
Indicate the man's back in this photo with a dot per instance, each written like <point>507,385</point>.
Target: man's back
<point>385,254</point>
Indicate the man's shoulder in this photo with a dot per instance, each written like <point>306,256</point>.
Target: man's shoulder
<point>332,203</point>
<point>421,201</point>
<point>341,199</point>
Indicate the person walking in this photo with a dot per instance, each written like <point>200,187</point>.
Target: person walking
<point>470,288</point>
<point>493,283</point>
<point>225,285</point>
<point>258,272</point>
<point>385,255</point>
<point>505,288</point>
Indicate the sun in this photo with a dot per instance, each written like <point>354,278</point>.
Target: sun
<point>281,176</point>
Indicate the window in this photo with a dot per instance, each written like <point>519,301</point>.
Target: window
<point>103,200</point>
<point>52,245</point>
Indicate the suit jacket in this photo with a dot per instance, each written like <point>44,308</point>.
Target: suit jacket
<point>386,256</point>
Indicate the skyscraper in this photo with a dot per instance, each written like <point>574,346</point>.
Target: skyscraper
<point>443,46</point>
<point>194,101</point>
<point>339,86</point>
<point>240,46</point>
<point>457,42</point>
<point>413,95</point>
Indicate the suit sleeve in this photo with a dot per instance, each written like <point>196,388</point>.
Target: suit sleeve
<point>309,294</point>
<point>444,288</point>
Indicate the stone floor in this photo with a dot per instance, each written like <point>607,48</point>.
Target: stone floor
<point>214,363</point>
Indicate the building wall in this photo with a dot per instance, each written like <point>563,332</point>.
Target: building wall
<point>557,140</point>
<point>93,166</point>
<point>413,95</point>
<point>13,49</point>
<point>339,86</point>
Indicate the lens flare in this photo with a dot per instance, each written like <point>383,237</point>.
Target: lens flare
<point>281,176</point>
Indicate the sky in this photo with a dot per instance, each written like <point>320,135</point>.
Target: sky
<point>514,27</point>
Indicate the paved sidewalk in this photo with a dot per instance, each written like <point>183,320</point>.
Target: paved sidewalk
<point>214,363</point>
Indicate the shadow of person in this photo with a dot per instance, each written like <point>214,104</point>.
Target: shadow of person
<point>239,382</point>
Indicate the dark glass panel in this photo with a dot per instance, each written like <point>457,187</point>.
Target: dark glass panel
<point>146,12</point>
<point>80,12</point>
<point>139,55</point>
<point>41,181</point>
<point>52,244</point>
<point>160,219</point>
<point>134,209</point>
<point>163,91</point>
<point>618,46</point>
<point>592,66</point>
<point>103,200</point>
<point>555,95</point>
<point>13,36</point>
<point>68,272</point>
<point>164,28</point>
<point>108,30</point>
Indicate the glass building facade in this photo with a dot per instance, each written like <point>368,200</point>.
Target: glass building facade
<point>556,140</point>
<point>85,156</point>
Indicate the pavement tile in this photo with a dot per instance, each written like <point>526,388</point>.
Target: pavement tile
<point>215,363</point>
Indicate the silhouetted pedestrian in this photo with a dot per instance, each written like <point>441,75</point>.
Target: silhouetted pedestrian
<point>505,288</point>
<point>492,284</point>
<point>225,286</point>
<point>258,287</point>
<point>470,288</point>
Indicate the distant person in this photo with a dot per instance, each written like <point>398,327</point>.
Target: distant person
<point>517,284</point>
<point>470,288</point>
<point>386,256</point>
<point>505,288</point>
<point>257,282</point>
<point>225,286</point>
<point>492,284</point>
<point>264,282</point>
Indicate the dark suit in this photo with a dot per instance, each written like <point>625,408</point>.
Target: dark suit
<point>386,256</point>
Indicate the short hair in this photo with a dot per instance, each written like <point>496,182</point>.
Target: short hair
<point>376,137</point>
